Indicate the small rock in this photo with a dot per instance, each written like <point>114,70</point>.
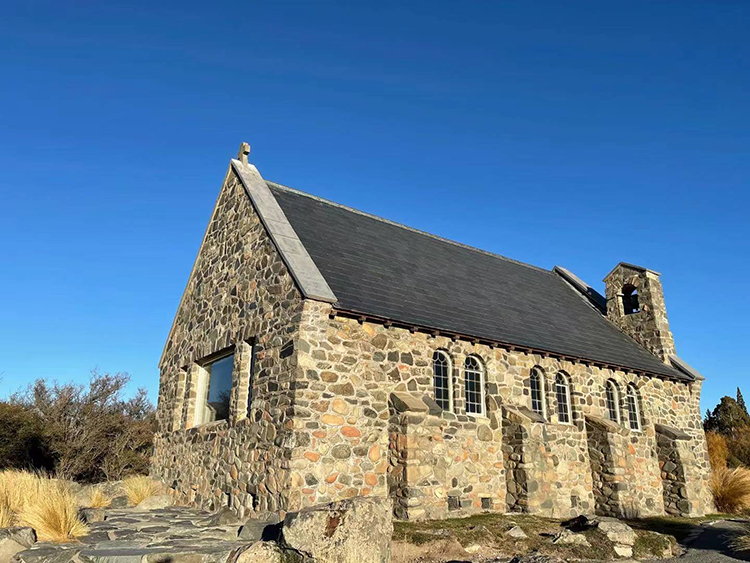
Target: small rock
<point>617,532</point>
<point>516,532</point>
<point>580,523</point>
<point>8,548</point>
<point>566,537</point>
<point>91,515</point>
<point>262,552</point>
<point>20,534</point>
<point>624,550</point>
<point>254,530</point>
<point>476,548</point>
<point>155,502</point>
<point>119,502</point>
<point>223,517</point>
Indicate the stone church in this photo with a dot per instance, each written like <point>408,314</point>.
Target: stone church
<point>320,353</point>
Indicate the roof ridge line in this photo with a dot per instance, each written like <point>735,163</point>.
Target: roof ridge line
<point>408,228</point>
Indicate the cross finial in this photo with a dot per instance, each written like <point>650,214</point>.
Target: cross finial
<point>244,151</point>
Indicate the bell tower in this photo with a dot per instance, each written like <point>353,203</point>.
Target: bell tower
<point>635,303</point>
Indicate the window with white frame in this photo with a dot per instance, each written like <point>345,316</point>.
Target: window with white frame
<point>634,409</point>
<point>473,386</point>
<point>562,392</point>
<point>218,388</point>
<point>613,401</point>
<point>536,384</point>
<point>251,377</point>
<point>441,369</point>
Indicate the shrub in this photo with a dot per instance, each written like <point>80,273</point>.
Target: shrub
<point>45,504</point>
<point>91,433</point>
<point>22,443</point>
<point>718,450</point>
<point>731,489</point>
<point>139,488</point>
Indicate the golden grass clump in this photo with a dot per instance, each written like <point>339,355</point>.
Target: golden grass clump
<point>140,487</point>
<point>54,515</point>
<point>718,449</point>
<point>7,518</point>
<point>731,489</point>
<point>99,499</point>
<point>45,504</point>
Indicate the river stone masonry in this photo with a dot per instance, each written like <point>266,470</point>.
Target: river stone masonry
<point>327,404</point>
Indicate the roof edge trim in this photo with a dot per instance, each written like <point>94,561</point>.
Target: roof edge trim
<point>592,295</point>
<point>681,365</point>
<point>301,266</point>
<point>632,267</point>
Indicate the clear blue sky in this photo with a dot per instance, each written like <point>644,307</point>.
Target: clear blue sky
<point>570,133</point>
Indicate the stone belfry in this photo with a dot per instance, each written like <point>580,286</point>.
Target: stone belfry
<point>635,303</point>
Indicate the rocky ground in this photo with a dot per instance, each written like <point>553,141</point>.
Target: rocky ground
<point>356,530</point>
<point>360,531</point>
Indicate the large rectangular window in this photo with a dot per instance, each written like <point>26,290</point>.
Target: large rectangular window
<point>219,373</point>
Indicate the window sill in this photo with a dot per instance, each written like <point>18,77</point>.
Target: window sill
<point>209,425</point>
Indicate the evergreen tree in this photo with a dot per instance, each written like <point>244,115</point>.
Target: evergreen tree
<point>727,418</point>
<point>741,400</point>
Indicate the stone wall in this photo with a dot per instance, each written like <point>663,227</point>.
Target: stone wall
<point>379,360</point>
<point>625,484</point>
<point>684,490</point>
<point>239,294</point>
<point>438,464</point>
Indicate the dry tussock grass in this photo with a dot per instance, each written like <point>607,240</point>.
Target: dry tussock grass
<point>99,499</point>
<point>7,518</point>
<point>731,489</point>
<point>139,488</point>
<point>45,504</point>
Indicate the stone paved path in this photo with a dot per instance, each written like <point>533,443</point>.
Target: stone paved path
<point>169,535</point>
<point>713,545</point>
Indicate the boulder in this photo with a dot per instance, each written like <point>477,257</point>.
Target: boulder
<point>566,537</point>
<point>223,517</point>
<point>267,552</point>
<point>254,530</point>
<point>624,550</point>
<point>91,515</point>
<point>516,532</point>
<point>15,540</point>
<point>155,502</point>
<point>356,530</point>
<point>21,534</point>
<point>619,533</point>
<point>580,523</point>
<point>119,502</point>
<point>8,548</point>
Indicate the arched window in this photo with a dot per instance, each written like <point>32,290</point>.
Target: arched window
<point>441,369</point>
<point>562,391</point>
<point>473,386</point>
<point>630,302</point>
<point>613,401</point>
<point>536,383</point>
<point>634,409</point>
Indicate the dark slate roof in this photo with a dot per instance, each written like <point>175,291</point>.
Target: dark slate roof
<point>376,267</point>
